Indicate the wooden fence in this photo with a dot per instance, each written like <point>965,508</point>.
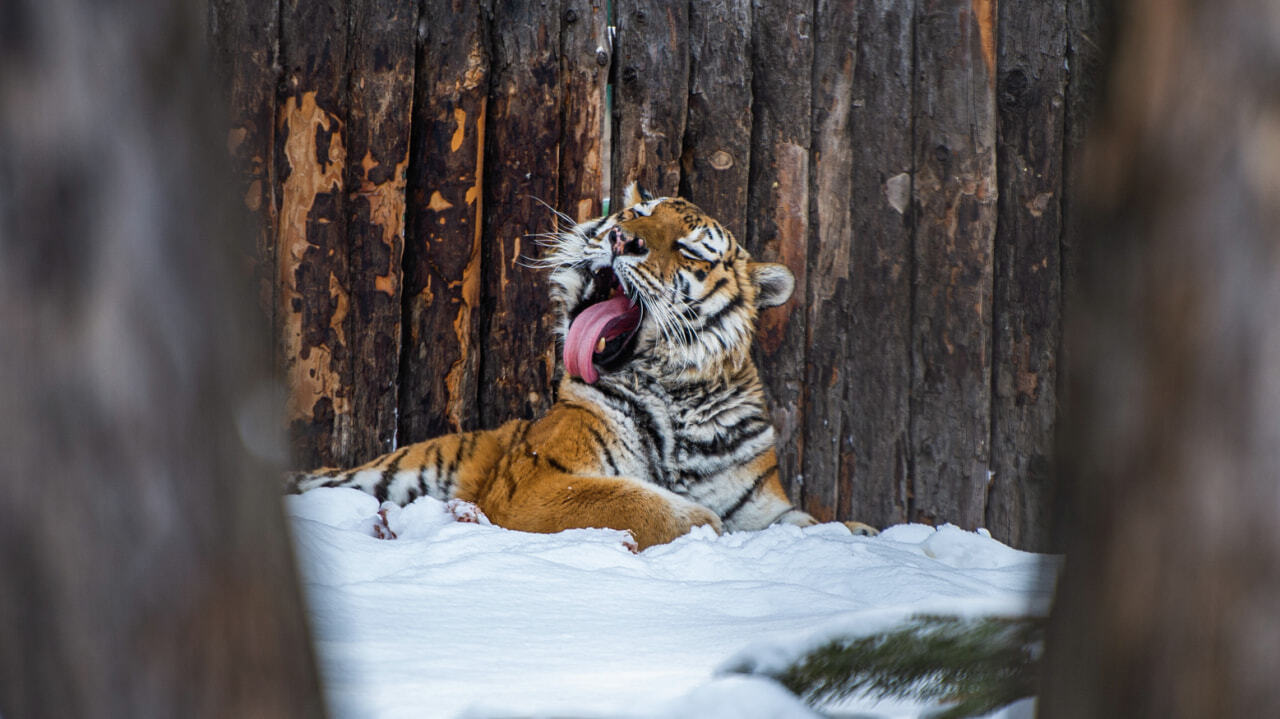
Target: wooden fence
<point>905,158</point>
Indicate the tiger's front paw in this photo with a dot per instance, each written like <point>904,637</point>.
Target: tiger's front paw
<point>861,530</point>
<point>681,517</point>
<point>696,515</point>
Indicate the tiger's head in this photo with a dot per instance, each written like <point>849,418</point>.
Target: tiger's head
<point>659,287</point>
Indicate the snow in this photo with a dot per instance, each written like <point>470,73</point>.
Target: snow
<point>464,619</point>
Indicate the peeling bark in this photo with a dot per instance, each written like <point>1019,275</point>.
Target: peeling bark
<point>245,45</point>
<point>584,70</point>
<point>439,365</point>
<point>379,102</point>
<point>312,293</point>
<point>522,157</point>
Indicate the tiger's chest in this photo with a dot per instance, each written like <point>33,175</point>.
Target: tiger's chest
<point>694,444</point>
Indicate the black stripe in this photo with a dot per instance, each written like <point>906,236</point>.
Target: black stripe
<point>439,463</point>
<point>556,465</point>
<point>755,487</point>
<point>604,447</point>
<point>682,284</point>
<point>687,249</point>
<point>422,480</point>
<point>457,456</point>
<point>644,420</point>
<point>340,479</point>
<point>388,475</point>
<point>720,283</point>
<point>715,320</point>
<point>730,438</point>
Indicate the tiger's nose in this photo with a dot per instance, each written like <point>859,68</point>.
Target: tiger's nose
<point>623,245</point>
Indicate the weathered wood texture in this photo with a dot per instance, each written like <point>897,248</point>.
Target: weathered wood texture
<point>440,356</point>
<point>145,569</point>
<point>584,72</point>
<point>1031,89</point>
<point>1167,607</point>
<point>778,223</point>
<point>651,95</point>
<point>821,433</point>
<point>875,448</point>
<point>380,95</point>
<point>905,158</point>
<point>313,297</point>
<point>716,158</point>
<point>522,143</point>
<point>245,42</point>
<point>954,193</point>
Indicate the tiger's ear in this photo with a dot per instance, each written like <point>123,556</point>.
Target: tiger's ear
<point>774,283</point>
<point>635,194</point>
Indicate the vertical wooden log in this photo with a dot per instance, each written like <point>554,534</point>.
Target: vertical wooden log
<point>245,41</point>
<point>311,243</point>
<point>827,303</point>
<point>1168,604</point>
<point>145,569</point>
<point>955,195</point>
<point>651,94</point>
<point>522,158</point>
<point>778,223</point>
<point>584,68</point>
<point>378,120</point>
<point>1089,26</point>
<point>440,361</point>
<point>717,140</point>
<point>876,449</point>
<point>1028,289</point>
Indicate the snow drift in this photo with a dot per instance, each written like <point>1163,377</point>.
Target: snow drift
<point>455,618</point>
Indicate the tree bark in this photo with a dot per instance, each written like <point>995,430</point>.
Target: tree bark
<point>876,420</point>
<point>144,565</point>
<point>522,156</point>
<point>379,101</point>
<point>1028,270</point>
<point>584,69</point>
<point>440,360</point>
<point>651,94</point>
<point>875,447</point>
<point>313,290</point>
<point>717,140</point>
<point>1167,607</point>
<point>245,43</point>
<point>955,196</point>
<point>778,224</point>
<point>827,302</point>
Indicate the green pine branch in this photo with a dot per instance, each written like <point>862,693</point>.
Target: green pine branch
<point>974,665</point>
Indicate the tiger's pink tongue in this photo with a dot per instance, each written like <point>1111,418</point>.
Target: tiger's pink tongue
<point>606,319</point>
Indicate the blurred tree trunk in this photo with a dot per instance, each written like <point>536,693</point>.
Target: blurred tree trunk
<point>1170,603</point>
<point>144,565</point>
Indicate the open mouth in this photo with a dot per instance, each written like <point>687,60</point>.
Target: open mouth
<point>602,329</point>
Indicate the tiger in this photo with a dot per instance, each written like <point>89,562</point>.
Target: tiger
<point>659,423</point>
